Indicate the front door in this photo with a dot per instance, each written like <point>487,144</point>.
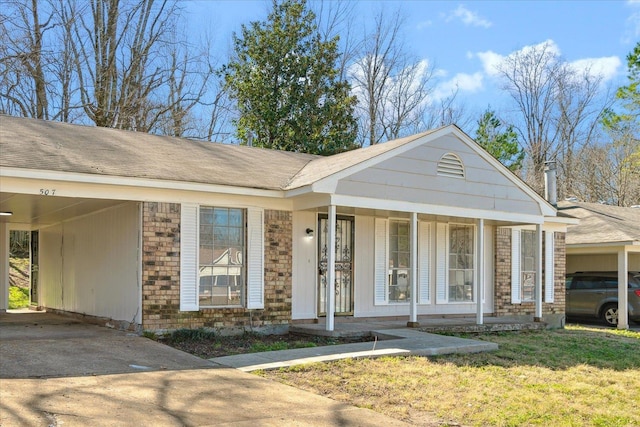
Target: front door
<point>344,264</point>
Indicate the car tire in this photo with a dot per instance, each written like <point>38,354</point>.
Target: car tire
<point>609,314</point>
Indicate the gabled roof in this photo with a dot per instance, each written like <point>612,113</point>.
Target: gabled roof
<point>60,147</point>
<point>54,146</point>
<point>601,224</point>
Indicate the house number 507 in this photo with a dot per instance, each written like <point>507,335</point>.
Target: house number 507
<point>47,192</point>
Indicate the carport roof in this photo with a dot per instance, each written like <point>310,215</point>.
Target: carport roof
<point>601,224</point>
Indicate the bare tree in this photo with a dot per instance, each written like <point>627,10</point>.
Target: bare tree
<point>558,111</point>
<point>444,112</point>
<point>531,78</point>
<point>23,84</point>
<point>609,172</point>
<point>392,88</point>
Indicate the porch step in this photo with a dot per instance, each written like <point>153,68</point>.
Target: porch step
<point>488,327</point>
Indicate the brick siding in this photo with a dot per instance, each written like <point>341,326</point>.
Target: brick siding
<point>503,305</point>
<point>161,276</point>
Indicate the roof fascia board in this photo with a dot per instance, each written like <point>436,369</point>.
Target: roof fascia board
<point>393,205</point>
<point>136,193</point>
<point>562,220</point>
<point>41,175</point>
<point>605,244</point>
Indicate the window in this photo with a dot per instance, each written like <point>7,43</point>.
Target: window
<point>461,263</point>
<point>222,262</point>
<point>528,265</point>
<point>222,251</point>
<point>392,258</point>
<point>399,256</point>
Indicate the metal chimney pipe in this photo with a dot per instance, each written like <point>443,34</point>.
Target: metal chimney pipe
<point>550,183</point>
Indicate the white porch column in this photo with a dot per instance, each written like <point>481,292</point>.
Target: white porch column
<point>4,267</point>
<point>538,290</point>
<point>331,269</point>
<point>413,302</point>
<point>623,285</point>
<point>479,291</point>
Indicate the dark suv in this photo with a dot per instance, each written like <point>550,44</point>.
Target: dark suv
<point>595,294</point>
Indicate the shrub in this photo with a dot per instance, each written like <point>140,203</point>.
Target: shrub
<point>199,334</point>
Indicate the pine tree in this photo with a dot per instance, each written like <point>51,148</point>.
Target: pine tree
<point>500,141</point>
<point>286,84</point>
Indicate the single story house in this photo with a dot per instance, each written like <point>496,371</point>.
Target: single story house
<point>157,233</point>
<point>607,238</point>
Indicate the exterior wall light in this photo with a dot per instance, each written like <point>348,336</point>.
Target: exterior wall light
<point>6,213</point>
<point>309,233</point>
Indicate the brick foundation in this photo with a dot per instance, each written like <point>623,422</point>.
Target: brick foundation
<point>161,276</point>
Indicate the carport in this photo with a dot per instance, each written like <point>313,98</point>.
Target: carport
<point>85,252</point>
<point>606,239</point>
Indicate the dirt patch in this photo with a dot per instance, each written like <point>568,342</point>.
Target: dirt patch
<point>208,345</point>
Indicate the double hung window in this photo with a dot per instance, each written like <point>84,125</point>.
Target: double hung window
<point>399,256</point>
<point>222,254</point>
<point>461,263</point>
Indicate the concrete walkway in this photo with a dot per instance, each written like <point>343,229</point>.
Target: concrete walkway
<point>396,342</point>
<point>56,371</point>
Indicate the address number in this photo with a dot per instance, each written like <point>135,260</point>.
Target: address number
<point>47,191</point>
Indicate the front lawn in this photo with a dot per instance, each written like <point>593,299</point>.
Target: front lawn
<point>572,377</point>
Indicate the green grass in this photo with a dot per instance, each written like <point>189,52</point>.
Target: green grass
<point>18,297</point>
<point>573,377</point>
<point>259,347</point>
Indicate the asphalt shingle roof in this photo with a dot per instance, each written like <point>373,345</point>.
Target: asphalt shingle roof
<point>601,223</point>
<point>54,146</point>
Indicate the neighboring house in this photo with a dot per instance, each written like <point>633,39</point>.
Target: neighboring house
<point>607,238</point>
<point>160,233</point>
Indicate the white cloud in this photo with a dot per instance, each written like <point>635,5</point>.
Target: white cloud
<point>468,17</point>
<point>461,82</point>
<point>606,67</point>
<point>631,31</point>
<point>492,61</point>
<point>424,24</point>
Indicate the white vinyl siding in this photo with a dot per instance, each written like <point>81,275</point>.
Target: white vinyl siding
<point>381,261</point>
<point>424,262</point>
<point>255,264</point>
<point>442,234</point>
<point>549,270</point>
<point>189,257</point>
<point>515,267</point>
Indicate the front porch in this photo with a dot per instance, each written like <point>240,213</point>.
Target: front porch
<point>350,327</point>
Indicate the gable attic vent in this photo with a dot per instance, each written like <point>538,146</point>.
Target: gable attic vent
<point>450,165</point>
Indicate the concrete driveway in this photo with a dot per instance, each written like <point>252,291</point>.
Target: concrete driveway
<point>56,371</point>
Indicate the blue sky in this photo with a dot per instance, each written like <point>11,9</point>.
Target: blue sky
<point>464,40</point>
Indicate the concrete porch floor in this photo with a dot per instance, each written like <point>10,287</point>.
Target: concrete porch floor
<point>354,327</point>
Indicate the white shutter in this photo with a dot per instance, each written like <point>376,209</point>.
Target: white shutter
<point>424,262</point>
<point>255,259</point>
<point>549,270</point>
<point>515,267</point>
<point>189,230</point>
<point>381,261</point>
<point>442,251</point>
